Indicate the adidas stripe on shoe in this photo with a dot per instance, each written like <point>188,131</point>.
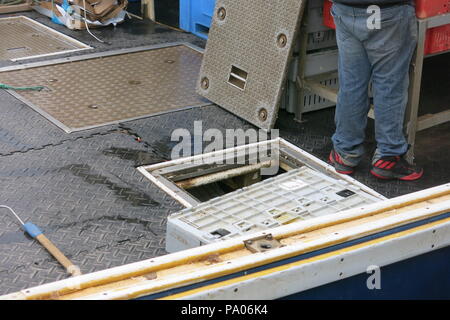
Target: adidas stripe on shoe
<point>395,167</point>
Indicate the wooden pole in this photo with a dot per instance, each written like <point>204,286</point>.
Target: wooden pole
<point>55,252</point>
<point>149,9</point>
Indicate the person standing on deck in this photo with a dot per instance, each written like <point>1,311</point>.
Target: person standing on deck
<point>378,50</point>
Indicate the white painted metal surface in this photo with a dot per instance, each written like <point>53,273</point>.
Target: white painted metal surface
<point>300,277</point>
<point>250,260</point>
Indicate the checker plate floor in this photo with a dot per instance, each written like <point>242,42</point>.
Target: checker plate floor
<point>22,37</point>
<point>104,90</point>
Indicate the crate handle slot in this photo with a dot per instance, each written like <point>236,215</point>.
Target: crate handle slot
<point>238,78</point>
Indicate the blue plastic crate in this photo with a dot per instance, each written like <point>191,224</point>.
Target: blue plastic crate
<point>196,16</point>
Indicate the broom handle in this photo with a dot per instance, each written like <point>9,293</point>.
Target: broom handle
<point>36,233</point>
<point>58,255</point>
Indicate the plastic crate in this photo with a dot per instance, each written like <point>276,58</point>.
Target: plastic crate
<point>430,8</point>
<point>196,16</point>
<point>296,195</point>
<point>438,40</point>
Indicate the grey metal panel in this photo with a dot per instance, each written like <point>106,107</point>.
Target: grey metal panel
<point>257,37</point>
<point>91,92</point>
<point>22,38</point>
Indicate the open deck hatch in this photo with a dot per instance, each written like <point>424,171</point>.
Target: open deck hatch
<point>250,188</point>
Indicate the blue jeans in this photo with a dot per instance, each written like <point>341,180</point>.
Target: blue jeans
<point>382,56</point>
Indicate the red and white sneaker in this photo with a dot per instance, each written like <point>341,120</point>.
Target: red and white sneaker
<point>395,167</point>
<point>339,165</point>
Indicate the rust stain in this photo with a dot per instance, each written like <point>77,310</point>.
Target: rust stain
<point>211,259</point>
<point>150,276</point>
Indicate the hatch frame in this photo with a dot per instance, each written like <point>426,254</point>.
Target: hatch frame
<point>287,155</point>
<point>58,35</point>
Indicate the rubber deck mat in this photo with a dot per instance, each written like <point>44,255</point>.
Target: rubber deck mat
<point>22,37</point>
<point>104,89</point>
<point>89,199</point>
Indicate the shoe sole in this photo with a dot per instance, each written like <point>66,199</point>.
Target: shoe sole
<point>411,177</point>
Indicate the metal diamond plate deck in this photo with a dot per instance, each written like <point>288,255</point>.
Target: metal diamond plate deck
<point>103,90</point>
<point>246,57</point>
<point>22,37</point>
<point>89,199</point>
<point>158,133</point>
<point>22,129</point>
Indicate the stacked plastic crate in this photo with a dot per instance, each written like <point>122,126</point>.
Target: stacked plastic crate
<point>438,39</point>
<point>430,8</point>
<point>196,16</point>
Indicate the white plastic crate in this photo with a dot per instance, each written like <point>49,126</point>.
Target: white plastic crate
<point>299,194</point>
